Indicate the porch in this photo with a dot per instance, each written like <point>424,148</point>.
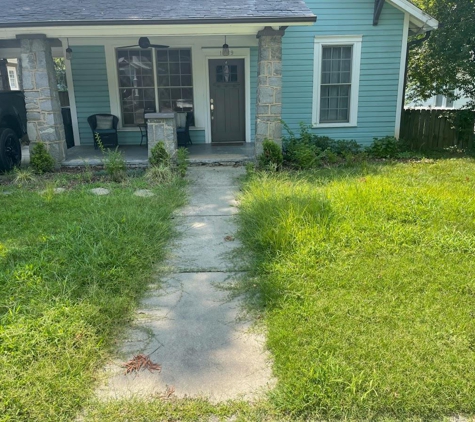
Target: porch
<point>137,155</point>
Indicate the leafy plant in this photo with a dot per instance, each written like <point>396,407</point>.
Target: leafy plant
<point>182,155</point>
<point>308,150</point>
<point>159,155</point>
<point>387,147</point>
<point>114,162</point>
<point>41,160</point>
<point>271,157</point>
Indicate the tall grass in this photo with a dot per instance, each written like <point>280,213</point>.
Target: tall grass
<point>72,267</point>
<point>366,280</point>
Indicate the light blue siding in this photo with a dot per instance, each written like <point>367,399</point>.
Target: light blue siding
<point>198,136</point>
<point>380,66</point>
<point>91,90</point>
<point>253,94</point>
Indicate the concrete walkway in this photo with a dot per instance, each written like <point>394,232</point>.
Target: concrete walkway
<point>204,348</point>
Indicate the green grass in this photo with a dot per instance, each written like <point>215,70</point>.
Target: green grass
<point>72,267</point>
<point>365,277</point>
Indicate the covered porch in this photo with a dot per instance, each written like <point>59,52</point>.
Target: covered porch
<point>222,73</point>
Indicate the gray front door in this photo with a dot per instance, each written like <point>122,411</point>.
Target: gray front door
<point>226,81</point>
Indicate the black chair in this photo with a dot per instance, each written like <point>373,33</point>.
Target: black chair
<point>105,125</point>
<point>143,126</point>
<point>183,133</point>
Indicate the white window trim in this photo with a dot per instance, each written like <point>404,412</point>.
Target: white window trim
<point>337,40</point>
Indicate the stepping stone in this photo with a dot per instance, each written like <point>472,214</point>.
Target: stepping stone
<point>144,193</point>
<point>100,191</point>
<point>59,190</point>
<point>7,192</point>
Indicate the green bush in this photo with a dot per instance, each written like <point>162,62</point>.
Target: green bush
<point>307,150</point>
<point>159,155</point>
<point>387,147</point>
<point>41,160</point>
<point>271,157</point>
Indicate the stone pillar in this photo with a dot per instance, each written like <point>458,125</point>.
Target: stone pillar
<point>44,120</point>
<point>269,88</point>
<point>161,127</point>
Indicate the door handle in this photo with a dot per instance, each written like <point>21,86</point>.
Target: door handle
<point>212,108</point>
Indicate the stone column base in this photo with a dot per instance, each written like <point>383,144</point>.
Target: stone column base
<point>161,127</point>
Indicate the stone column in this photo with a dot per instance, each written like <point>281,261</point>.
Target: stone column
<point>269,88</point>
<point>44,120</point>
<point>161,127</point>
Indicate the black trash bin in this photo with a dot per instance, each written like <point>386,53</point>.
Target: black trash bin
<point>68,126</point>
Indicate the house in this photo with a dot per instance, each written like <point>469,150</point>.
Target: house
<point>239,67</point>
<point>456,102</point>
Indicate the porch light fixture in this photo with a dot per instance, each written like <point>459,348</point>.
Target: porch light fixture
<point>225,48</point>
<point>69,52</point>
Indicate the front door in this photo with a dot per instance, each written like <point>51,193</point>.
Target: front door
<point>227,108</point>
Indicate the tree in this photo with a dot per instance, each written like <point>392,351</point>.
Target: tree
<point>447,59</point>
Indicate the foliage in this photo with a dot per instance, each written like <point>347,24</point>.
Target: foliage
<point>72,268</point>
<point>271,157</point>
<point>447,59</point>
<point>387,147</point>
<point>159,155</point>
<point>60,70</point>
<point>41,160</point>
<point>114,161</point>
<point>363,277</point>
<point>182,155</point>
<point>161,174</point>
<point>23,177</point>
<point>308,150</point>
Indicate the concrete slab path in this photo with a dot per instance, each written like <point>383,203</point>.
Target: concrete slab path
<point>204,348</point>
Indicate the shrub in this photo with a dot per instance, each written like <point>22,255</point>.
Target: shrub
<point>182,161</point>
<point>271,157</point>
<point>308,150</point>
<point>41,160</point>
<point>159,155</point>
<point>387,147</point>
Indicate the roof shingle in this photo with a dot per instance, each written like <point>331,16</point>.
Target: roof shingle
<point>60,12</point>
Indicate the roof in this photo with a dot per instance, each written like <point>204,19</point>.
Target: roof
<point>420,21</point>
<point>90,12</point>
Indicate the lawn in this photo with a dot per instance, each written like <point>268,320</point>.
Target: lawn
<point>365,279</point>
<point>72,267</point>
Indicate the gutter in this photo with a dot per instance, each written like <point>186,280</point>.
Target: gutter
<point>297,19</point>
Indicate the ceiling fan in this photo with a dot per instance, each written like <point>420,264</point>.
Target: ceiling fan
<point>144,42</point>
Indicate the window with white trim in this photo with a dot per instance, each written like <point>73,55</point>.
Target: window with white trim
<point>336,81</point>
<point>154,79</point>
<point>13,79</point>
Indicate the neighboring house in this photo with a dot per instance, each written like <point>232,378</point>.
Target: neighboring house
<point>342,73</point>
<point>441,101</point>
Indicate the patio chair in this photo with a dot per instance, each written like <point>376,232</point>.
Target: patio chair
<point>183,133</point>
<point>143,126</point>
<point>106,126</point>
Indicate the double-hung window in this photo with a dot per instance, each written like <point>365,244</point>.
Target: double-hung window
<point>154,79</point>
<point>336,81</point>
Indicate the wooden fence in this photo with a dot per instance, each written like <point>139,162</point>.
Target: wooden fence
<point>438,129</point>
